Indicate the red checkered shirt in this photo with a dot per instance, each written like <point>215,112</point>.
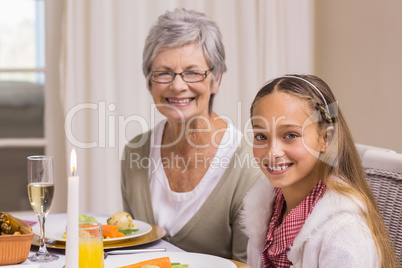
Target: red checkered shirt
<point>281,234</point>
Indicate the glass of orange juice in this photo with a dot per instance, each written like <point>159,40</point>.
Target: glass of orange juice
<point>91,245</point>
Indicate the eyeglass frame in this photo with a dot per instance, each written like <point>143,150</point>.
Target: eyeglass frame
<point>173,74</point>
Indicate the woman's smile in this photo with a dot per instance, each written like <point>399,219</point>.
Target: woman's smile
<point>180,101</point>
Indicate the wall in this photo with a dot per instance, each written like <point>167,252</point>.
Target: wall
<point>358,52</point>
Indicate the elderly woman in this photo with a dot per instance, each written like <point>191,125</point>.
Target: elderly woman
<point>190,173</point>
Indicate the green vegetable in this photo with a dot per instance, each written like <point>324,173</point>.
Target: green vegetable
<point>84,218</point>
<point>128,231</point>
<point>91,219</point>
<point>178,265</point>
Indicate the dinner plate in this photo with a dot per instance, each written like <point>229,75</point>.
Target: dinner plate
<point>56,226</point>
<point>156,234</point>
<point>194,260</point>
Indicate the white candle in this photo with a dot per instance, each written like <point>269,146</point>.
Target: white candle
<point>72,242</point>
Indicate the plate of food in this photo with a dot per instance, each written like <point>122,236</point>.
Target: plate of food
<point>120,226</point>
<point>171,259</point>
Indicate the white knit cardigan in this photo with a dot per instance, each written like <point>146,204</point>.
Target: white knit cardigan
<point>334,235</point>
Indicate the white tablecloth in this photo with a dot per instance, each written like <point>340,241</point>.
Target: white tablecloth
<point>110,262</point>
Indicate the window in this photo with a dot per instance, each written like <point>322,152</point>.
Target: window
<point>22,96</point>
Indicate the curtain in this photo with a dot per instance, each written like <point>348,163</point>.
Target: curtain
<point>104,94</point>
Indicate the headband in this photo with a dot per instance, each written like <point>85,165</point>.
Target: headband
<point>311,84</point>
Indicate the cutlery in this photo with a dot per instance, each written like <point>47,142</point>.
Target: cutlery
<point>133,251</point>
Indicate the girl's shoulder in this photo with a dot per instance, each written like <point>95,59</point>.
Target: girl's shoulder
<point>334,210</point>
<point>336,226</point>
<point>345,201</point>
<point>333,203</point>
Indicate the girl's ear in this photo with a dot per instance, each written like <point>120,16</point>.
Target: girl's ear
<point>327,137</point>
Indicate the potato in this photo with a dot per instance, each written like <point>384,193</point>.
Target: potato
<point>122,220</point>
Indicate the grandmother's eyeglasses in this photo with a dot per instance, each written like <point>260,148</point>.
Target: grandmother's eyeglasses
<point>164,77</point>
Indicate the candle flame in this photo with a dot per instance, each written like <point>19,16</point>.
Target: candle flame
<point>73,161</point>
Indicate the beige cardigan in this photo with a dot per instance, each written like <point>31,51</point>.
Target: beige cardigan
<point>215,229</point>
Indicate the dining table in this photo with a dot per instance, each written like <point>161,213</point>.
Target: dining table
<point>152,242</point>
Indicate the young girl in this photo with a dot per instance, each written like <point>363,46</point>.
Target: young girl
<point>315,209</point>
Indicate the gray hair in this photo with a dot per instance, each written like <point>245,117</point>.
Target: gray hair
<point>181,27</point>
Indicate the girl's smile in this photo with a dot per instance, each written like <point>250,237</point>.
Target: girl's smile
<point>278,169</point>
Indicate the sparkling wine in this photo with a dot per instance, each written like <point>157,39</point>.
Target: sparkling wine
<point>41,197</point>
<point>40,193</point>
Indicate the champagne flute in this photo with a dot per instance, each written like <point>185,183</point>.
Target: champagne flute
<point>40,193</point>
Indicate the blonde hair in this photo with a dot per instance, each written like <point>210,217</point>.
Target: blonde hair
<point>341,158</point>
